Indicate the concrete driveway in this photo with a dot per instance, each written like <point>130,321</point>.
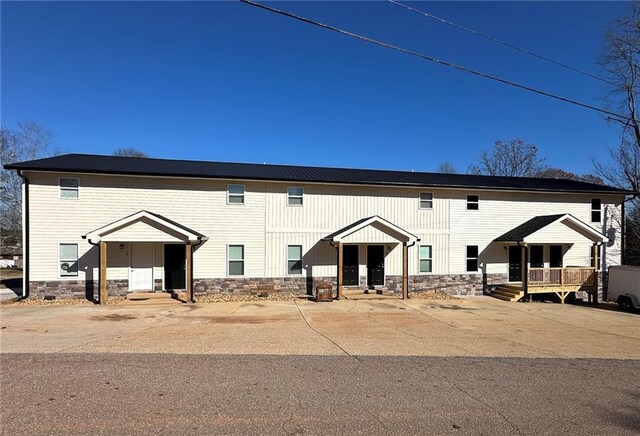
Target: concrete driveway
<point>476,326</point>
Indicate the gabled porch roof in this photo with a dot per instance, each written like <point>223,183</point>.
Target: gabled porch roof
<point>145,222</point>
<point>398,232</point>
<point>522,232</point>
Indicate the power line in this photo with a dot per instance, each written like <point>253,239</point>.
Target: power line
<point>499,41</point>
<point>435,60</point>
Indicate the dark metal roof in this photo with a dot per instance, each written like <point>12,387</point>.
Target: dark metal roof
<point>517,234</point>
<point>86,163</point>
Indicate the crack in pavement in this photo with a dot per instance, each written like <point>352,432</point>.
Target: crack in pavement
<point>323,335</point>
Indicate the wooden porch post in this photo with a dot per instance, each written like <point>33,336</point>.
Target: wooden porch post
<point>102,299</point>
<point>405,271</point>
<point>188,274</point>
<point>340,270</point>
<point>596,261</point>
<point>525,278</point>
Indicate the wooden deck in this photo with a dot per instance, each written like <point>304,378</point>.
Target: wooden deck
<point>560,281</point>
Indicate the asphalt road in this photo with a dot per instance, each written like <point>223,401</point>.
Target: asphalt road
<point>150,394</point>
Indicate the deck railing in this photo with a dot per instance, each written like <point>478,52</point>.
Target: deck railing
<point>570,276</point>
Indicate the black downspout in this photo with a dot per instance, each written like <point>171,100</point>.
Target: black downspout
<point>622,234</point>
<point>409,246</point>
<point>191,297</point>
<point>526,273</point>
<point>93,292</point>
<point>25,235</point>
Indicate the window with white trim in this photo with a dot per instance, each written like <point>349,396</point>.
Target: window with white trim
<point>294,196</point>
<point>473,202</point>
<point>235,194</point>
<point>472,258</point>
<point>294,260</point>
<point>69,188</point>
<point>596,210</point>
<point>426,200</point>
<point>426,260</point>
<point>68,260</point>
<point>235,256</point>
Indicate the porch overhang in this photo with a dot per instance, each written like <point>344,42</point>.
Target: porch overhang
<point>524,233</point>
<point>144,226</point>
<point>378,222</point>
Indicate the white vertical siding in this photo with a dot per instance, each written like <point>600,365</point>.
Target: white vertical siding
<point>265,224</point>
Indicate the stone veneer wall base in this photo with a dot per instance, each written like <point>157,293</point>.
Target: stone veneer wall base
<point>454,284</point>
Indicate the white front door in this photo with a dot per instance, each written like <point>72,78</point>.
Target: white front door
<point>141,276</point>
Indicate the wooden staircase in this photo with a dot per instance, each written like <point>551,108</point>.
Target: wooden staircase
<point>508,292</point>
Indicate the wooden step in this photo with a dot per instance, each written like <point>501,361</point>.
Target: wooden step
<point>508,290</point>
<point>510,286</point>
<point>143,296</point>
<point>500,297</point>
<point>507,293</point>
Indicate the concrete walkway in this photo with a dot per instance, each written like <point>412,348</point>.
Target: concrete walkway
<point>478,326</point>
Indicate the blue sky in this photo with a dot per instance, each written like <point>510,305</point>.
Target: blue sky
<point>230,82</point>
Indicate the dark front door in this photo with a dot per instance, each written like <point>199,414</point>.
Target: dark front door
<point>350,265</point>
<point>555,256</point>
<point>515,263</point>
<point>174,266</point>
<point>375,265</point>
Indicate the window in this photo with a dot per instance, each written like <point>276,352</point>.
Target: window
<point>596,210</point>
<point>555,256</point>
<point>426,200</point>
<point>536,256</point>
<point>236,260</point>
<point>235,194</point>
<point>68,257</point>
<point>472,258</point>
<point>294,260</point>
<point>473,202</point>
<point>69,188</point>
<point>294,196</point>
<point>426,262</point>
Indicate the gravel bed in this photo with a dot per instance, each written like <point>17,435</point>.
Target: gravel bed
<point>431,296</point>
<point>225,298</point>
<point>64,302</point>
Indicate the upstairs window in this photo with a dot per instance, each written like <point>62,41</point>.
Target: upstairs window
<point>426,200</point>
<point>236,260</point>
<point>294,260</point>
<point>235,194</point>
<point>68,260</point>
<point>426,260</point>
<point>472,258</point>
<point>294,196</point>
<point>69,188</point>
<point>596,210</point>
<point>473,202</point>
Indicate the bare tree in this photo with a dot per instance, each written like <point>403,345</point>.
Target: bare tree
<point>27,142</point>
<point>447,168</point>
<point>620,62</point>
<point>515,158</point>
<point>129,152</point>
<point>558,173</point>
